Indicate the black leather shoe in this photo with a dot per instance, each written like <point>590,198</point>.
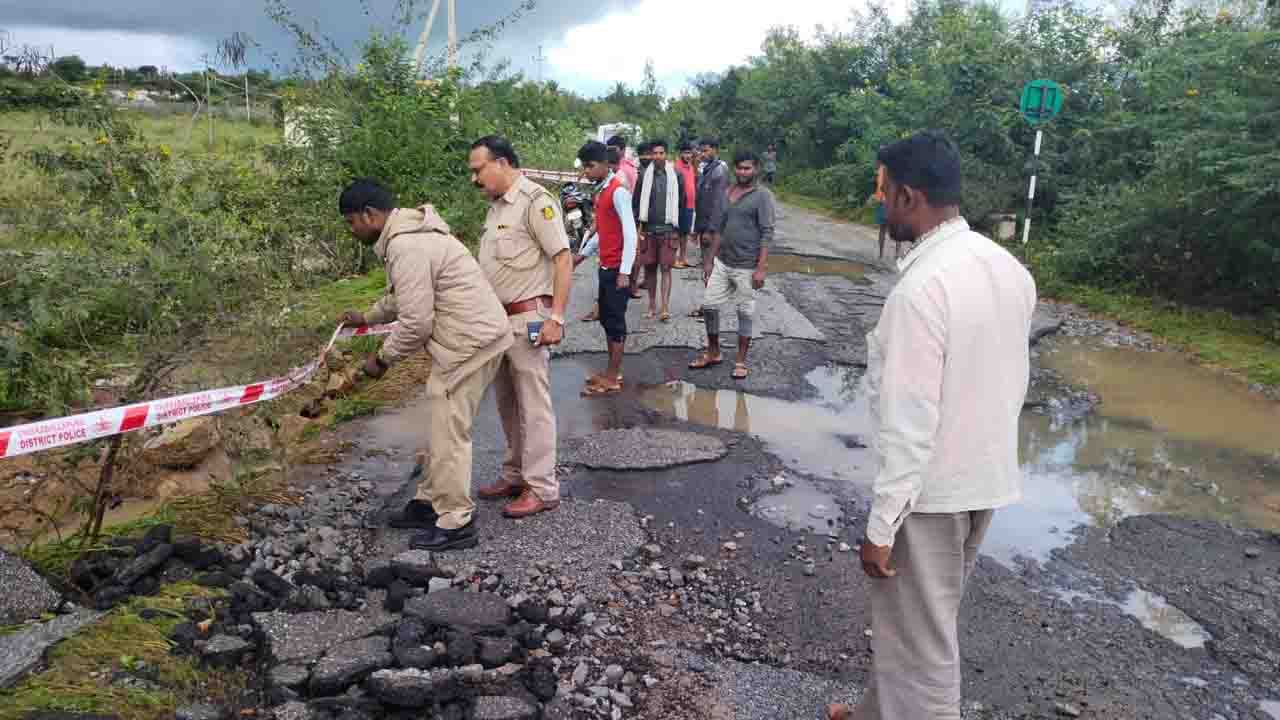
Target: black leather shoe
<point>416,515</point>
<point>438,539</point>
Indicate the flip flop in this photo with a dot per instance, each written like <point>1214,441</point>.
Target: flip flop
<point>740,371</point>
<point>704,361</point>
<point>650,315</point>
<point>665,317</point>
<point>593,390</point>
<point>597,379</point>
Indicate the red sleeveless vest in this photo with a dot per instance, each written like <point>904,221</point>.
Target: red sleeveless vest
<point>609,226</point>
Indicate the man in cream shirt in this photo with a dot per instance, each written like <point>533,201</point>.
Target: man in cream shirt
<point>948,366</point>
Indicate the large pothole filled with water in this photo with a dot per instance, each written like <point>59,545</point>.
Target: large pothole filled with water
<point>1169,437</point>
<point>806,265</point>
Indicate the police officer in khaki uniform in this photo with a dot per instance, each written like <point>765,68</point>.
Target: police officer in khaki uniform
<point>445,305</point>
<point>525,254</point>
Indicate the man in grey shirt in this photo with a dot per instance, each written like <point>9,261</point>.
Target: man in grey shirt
<point>712,186</point>
<point>734,264</point>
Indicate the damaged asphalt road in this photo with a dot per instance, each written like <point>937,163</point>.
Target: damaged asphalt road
<point>773,622</point>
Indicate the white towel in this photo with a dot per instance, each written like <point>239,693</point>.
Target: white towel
<point>673,196</point>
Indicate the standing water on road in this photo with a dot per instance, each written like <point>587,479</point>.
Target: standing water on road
<point>1169,437</point>
<point>804,265</point>
<point>813,437</point>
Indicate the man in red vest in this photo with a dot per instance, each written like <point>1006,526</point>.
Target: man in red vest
<point>615,240</point>
<point>688,169</point>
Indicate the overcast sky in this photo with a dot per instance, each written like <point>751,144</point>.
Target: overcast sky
<point>586,46</point>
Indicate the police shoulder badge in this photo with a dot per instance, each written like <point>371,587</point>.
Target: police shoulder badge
<point>548,213</point>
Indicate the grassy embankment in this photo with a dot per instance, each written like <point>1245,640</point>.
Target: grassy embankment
<point>85,672</point>
<point>30,129</point>
<point>132,639</point>
<point>1242,346</point>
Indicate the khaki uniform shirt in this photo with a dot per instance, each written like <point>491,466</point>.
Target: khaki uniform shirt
<point>523,231</point>
<point>439,295</point>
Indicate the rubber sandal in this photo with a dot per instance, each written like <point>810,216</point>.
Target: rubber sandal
<point>665,317</point>
<point>704,361</point>
<point>598,379</point>
<point>740,371</point>
<point>650,315</point>
<point>598,390</point>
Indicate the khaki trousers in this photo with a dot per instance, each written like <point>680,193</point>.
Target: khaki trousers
<point>523,391</point>
<point>447,482</point>
<point>916,666</point>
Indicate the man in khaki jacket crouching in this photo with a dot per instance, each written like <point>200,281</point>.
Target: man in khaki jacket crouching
<point>443,303</point>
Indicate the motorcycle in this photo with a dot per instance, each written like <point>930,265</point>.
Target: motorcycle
<point>577,203</point>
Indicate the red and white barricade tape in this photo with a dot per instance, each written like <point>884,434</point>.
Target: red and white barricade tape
<point>73,429</point>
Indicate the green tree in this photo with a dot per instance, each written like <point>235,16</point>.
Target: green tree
<point>70,68</point>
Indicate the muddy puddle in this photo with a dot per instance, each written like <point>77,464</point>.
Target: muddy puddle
<point>1167,394</point>
<point>1155,613</point>
<point>799,504</point>
<point>1170,437</point>
<point>818,266</point>
<point>814,437</point>
<point>1159,616</point>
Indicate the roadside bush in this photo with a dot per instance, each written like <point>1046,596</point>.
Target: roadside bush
<point>846,187</point>
<point>18,94</point>
<point>179,244</point>
<point>382,122</point>
<point>1160,175</point>
<point>1202,225</point>
<point>135,249</point>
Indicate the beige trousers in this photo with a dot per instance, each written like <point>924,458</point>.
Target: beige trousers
<point>446,484</point>
<point>728,284</point>
<point>523,391</point>
<point>916,671</point>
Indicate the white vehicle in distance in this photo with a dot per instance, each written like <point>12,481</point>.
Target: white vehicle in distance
<point>633,133</point>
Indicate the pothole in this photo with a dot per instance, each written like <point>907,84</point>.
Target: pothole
<point>798,504</point>
<point>1157,615</point>
<point>818,266</point>
<point>822,437</point>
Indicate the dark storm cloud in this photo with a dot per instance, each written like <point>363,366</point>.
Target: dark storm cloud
<point>345,21</point>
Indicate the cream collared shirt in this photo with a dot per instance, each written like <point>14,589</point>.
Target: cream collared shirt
<point>947,371</point>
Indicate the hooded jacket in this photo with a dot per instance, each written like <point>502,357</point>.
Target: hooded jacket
<point>435,288</point>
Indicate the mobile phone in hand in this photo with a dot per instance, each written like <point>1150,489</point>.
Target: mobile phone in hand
<point>535,330</point>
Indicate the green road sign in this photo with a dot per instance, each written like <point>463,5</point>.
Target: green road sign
<point>1041,101</point>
